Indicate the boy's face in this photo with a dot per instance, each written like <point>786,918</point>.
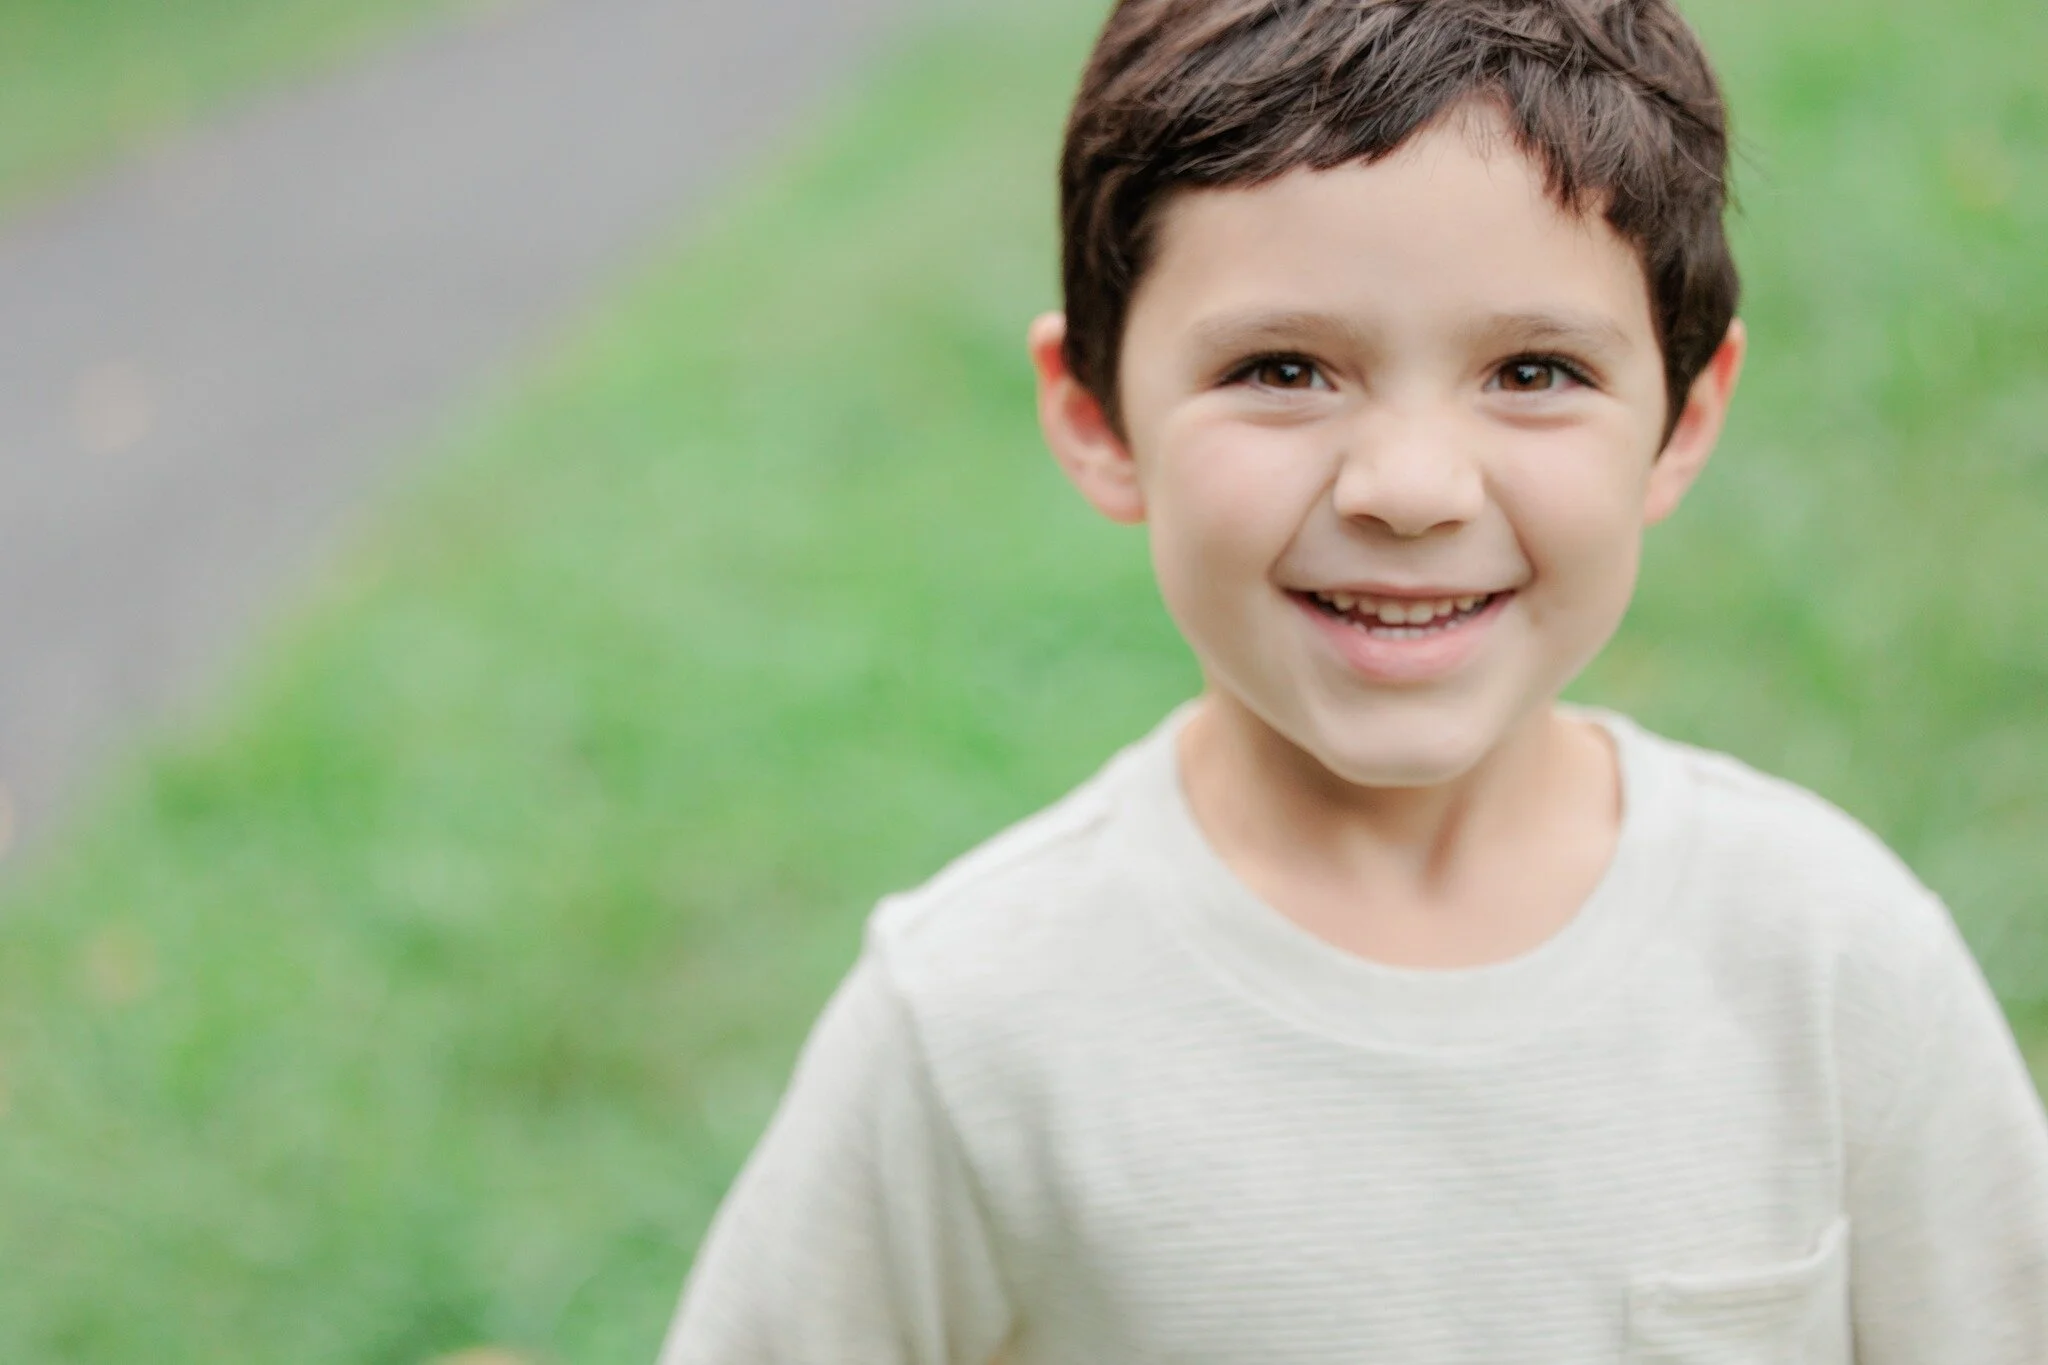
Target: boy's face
<point>1395,431</point>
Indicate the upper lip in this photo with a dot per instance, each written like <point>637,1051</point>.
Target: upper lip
<point>1388,592</point>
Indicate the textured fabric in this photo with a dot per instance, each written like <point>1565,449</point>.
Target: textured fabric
<point>1084,1099</point>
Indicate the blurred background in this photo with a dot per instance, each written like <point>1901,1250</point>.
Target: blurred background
<point>518,522</point>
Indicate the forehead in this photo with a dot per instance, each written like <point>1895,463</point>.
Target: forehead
<point>1455,225</point>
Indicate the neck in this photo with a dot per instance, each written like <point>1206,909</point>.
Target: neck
<point>1264,801</point>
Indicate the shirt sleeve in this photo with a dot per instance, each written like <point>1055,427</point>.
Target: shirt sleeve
<point>854,1234</point>
<point>1948,1198</point>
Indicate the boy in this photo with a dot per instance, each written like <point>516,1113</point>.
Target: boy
<point>1375,1008</point>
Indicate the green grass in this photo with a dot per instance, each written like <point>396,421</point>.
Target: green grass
<point>427,993</point>
<point>83,80</point>
<point>1853,597</point>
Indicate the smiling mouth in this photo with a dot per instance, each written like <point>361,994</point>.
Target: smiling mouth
<point>1388,618</point>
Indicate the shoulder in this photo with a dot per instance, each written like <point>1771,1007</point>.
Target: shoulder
<point>1760,839</point>
<point>1016,914</point>
<point>1004,888</point>
<point>1804,898</point>
<point>1008,967</point>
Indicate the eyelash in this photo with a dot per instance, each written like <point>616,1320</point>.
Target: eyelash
<point>1243,373</point>
<point>1570,369</point>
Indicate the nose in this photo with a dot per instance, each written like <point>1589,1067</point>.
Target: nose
<point>1411,473</point>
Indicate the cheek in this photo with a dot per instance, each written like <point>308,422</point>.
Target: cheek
<point>1580,524</point>
<point>1577,508</point>
<point>1573,537</point>
<point>1224,506</point>
<point>1233,497</point>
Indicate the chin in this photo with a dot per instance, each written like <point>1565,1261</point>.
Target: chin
<point>1400,752</point>
<point>1390,771</point>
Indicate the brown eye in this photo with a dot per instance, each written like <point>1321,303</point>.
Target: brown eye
<point>1285,374</point>
<point>1528,376</point>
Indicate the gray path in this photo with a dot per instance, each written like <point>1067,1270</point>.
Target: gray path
<point>207,358</point>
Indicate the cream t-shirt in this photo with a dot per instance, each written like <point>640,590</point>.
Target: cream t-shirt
<point>1085,1099</point>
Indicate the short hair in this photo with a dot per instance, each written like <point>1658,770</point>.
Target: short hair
<point>1614,100</point>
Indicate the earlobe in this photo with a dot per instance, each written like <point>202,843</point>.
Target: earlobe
<point>1699,427</point>
<point>1079,432</point>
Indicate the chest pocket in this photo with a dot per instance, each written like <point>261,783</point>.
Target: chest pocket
<point>1791,1313</point>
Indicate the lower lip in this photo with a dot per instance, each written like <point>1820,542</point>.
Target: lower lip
<point>1421,658</point>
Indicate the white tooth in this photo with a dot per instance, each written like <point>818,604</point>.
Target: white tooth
<point>1343,601</point>
<point>1467,603</point>
<point>1392,613</point>
<point>1420,612</point>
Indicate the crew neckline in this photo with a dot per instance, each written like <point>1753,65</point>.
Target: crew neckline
<point>1313,982</point>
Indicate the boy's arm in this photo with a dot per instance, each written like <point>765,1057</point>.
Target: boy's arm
<point>1948,1197</point>
<point>854,1234</point>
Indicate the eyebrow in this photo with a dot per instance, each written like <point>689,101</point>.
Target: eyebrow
<point>1236,332</point>
<point>1576,331</point>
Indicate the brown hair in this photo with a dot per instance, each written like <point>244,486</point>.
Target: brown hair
<point>1613,98</point>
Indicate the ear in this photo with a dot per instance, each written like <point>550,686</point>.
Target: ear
<point>1078,431</point>
<point>1698,429</point>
